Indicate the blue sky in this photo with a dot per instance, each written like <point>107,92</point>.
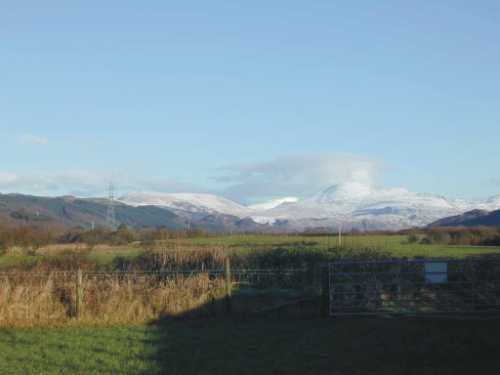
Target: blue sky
<point>214,96</point>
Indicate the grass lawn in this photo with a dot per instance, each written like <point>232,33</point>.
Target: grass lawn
<point>258,346</point>
<point>71,350</point>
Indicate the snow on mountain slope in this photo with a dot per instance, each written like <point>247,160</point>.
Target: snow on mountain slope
<point>190,202</point>
<point>492,203</point>
<point>355,196</point>
<point>199,203</point>
<point>352,204</point>
<point>356,199</point>
<point>365,207</point>
<point>272,204</point>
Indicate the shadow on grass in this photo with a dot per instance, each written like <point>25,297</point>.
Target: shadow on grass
<point>287,342</point>
<point>292,339</point>
<point>296,340</point>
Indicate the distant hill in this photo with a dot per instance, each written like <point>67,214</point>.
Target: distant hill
<point>208,213</point>
<point>69,211</point>
<point>352,205</point>
<point>75,212</point>
<point>470,219</point>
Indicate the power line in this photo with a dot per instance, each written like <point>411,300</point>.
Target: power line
<point>110,212</point>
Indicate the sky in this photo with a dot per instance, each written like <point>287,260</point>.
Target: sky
<point>251,100</point>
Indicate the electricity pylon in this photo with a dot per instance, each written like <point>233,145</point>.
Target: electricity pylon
<point>110,212</point>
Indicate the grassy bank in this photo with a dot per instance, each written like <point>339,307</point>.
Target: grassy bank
<point>258,346</point>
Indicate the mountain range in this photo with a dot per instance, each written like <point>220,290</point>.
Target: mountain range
<point>472,218</point>
<point>350,205</point>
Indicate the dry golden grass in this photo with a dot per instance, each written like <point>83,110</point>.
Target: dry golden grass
<point>61,249</point>
<point>26,301</point>
<point>166,258</point>
<point>40,300</point>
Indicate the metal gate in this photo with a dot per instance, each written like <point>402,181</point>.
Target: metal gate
<point>421,286</point>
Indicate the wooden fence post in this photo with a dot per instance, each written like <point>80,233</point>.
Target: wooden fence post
<point>212,304</point>
<point>79,294</point>
<point>325,291</point>
<point>229,286</point>
<point>317,278</point>
<point>211,293</point>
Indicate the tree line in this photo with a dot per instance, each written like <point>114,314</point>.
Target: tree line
<point>476,236</point>
<point>36,237</point>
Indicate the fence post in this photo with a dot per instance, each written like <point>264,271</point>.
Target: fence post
<point>212,306</point>
<point>211,293</point>
<point>227,277</point>
<point>317,280</point>
<point>325,290</point>
<point>79,293</point>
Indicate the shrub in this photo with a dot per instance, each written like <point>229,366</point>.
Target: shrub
<point>412,238</point>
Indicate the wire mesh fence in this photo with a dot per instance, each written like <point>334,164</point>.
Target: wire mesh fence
<point>447,286</point>
<point>28,298</point>
<point>339,288</point>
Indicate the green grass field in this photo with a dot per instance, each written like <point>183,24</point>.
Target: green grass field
<point>258,346</point>
<point>396,245</point>
<point>121,350</point>
<point>251,345</point>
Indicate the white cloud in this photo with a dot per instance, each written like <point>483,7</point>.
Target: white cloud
<point>7,178</point>
<point>295,175</point>
<point>31,139</point>
<point>85,184</point>
<point>292,176</point>
<point>74,182</point>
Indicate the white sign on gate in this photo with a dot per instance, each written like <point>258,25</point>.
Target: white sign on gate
<point>436,272</point>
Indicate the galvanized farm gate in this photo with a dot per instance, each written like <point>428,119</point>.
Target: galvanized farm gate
<point>414,287</point>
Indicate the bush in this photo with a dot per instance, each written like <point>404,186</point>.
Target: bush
<point>412,238</point>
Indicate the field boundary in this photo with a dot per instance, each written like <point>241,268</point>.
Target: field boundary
<point>414,287</point>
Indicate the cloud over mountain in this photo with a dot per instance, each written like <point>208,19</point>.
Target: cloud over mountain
<point>288,176</point>
<point>299,175</point>
<point>69,182</point>
<point>85,183</point>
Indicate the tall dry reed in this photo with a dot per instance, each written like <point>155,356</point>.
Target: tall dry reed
<point>114,298</point>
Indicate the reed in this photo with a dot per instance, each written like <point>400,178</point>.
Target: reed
<point>28,300</point>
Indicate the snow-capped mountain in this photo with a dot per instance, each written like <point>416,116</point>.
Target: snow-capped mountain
<point>190,202</point>
<point>365,207</point>
<point>491,202</point>
<point>272,204</point>
<point>352,205</point>
<point>200,203</point>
